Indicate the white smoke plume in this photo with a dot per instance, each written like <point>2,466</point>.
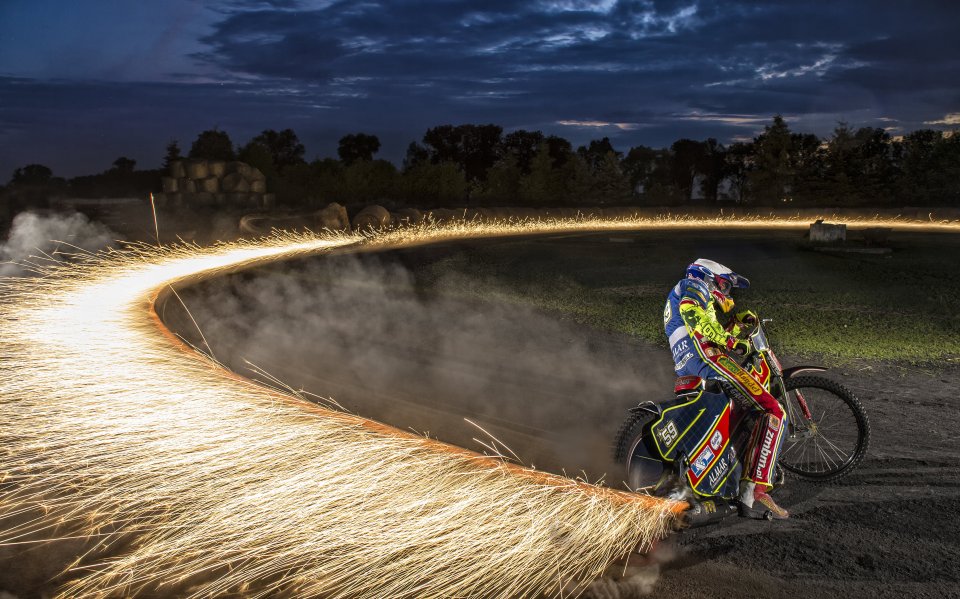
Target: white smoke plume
<point>34,236</point>
<point>366,332</point>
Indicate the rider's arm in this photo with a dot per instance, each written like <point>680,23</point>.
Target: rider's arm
<point>698,317</point>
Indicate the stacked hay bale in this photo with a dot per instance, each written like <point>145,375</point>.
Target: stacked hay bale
<point>196,183</point>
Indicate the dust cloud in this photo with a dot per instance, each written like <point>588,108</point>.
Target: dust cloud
<point>369,332</point>
<point>36,237</point>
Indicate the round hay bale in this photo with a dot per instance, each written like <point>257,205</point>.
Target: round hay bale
<point>269,201</point>
<point>372,217</point>
<point>198,169</point>
<point>220,199</point>
<point>218,168</point>
<point>159,200</point>
<point>187,186</point>
<point>234,182</point>
<point>333,217</point>
<point>209,185</point>
<point>177,171</point>
<point>258,186</point>
<point>408,216</point>
<point>255,175</point>
<point>170,185</point>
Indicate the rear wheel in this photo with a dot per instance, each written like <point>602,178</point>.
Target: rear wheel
<point>829,432</point>
<point>644,469</point>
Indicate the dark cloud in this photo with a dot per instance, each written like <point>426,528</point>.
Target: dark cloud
<point>652,71</point>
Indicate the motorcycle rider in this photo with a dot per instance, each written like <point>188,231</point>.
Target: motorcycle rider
<point>700,346</point>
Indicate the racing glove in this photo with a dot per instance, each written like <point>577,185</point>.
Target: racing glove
<point>748,317</point>
<point>740,346</point>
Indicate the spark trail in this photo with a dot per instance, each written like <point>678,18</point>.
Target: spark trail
<point>183,479</point>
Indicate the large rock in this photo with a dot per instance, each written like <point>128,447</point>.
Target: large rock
<point>371,218</point>
<point>332,218</point>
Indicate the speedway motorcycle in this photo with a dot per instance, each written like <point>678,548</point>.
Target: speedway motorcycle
<point>692,447</point>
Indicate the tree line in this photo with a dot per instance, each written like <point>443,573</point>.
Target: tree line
<point>480,165</point>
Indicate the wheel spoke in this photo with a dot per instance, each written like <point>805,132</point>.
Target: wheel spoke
<point>833,439</point>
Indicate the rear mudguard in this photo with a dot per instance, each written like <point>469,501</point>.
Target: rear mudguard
<point>791,372</point>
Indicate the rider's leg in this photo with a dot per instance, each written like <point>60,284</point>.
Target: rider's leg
<point>767,436</point>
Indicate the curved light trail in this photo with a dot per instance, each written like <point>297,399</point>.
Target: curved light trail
<point>178,477</point>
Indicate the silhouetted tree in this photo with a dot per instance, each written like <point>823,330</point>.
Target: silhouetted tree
<point>284,147</point>
<point>369,181</point>
<point>541,187</point>
<point>688,157</point>
<point>772,178</point>
<point>32,174</point>
<point>213,144</point>
<point>503,182</point>
<point>611,184</point>
<point>595,154</point>
<point>172,155</point>
<point>124,165</point>
<point>358,146</point>
<point>416,154</point>
<point>638,164</point>
<point>475,148</point>
<point>523,146</point>
<point>738,162</point>
<point>430,185</point>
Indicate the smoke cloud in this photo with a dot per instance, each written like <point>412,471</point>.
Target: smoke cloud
<point>34,235</point>
<point>399,338</point>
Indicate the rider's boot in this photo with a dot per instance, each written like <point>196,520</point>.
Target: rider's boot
<point>755,502</point>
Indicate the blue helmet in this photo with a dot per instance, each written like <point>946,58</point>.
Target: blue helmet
<point>719,279</point>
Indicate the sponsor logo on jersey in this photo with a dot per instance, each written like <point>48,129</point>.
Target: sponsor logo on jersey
<point>718,472</point>
<point>702,461</point>
<point>765,451</point>
<point>684,361</point>
<point>716,440</point>
<point>667,313</point>
<point>741,375</point>
<point>668,433</point>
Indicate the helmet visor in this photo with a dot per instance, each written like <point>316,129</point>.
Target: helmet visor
<point>724,284</point>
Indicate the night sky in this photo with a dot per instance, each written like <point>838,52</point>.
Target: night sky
<point>82,83</point>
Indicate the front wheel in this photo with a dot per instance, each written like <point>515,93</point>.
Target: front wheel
<point>828,430</point>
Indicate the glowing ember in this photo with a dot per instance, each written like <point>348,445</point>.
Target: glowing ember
<point>195,481</point>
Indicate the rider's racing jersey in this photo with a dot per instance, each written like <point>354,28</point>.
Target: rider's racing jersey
<point>689,317</point>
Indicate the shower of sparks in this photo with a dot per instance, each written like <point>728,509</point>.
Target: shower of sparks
<point>172,476</point>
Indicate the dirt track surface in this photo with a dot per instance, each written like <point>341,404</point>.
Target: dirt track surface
<point>890,529</point>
